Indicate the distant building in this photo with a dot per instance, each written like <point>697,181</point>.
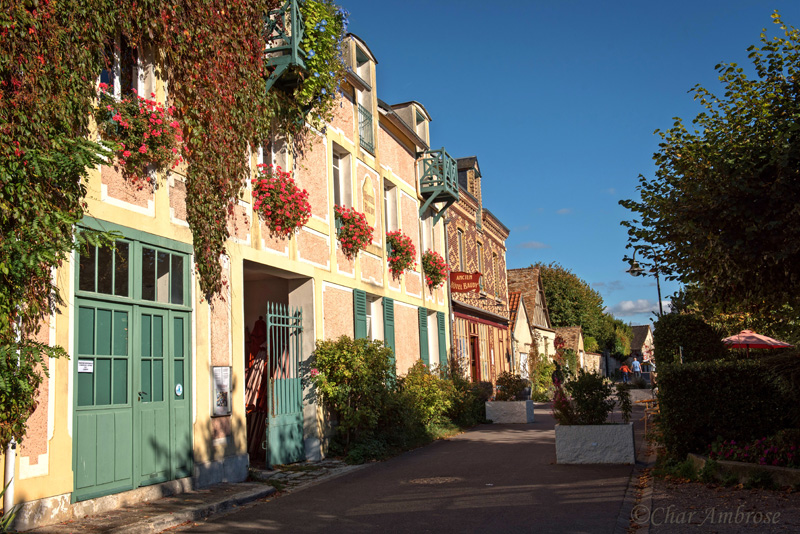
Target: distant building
<point>528,281</point>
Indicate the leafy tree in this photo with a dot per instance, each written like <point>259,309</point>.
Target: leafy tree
<point>688,335</point>
<point>721,211</point>
<point>570,300</point>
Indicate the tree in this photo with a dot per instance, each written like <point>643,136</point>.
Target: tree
<point>570,300</point>
<point>722,209</point>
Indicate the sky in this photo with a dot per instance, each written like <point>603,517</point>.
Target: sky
<point>559,100</point>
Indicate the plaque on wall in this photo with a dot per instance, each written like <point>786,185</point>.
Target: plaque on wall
<point>368,194</point>
<point>220,391</point>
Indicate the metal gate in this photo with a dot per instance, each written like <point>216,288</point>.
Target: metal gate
<point>285,389</point>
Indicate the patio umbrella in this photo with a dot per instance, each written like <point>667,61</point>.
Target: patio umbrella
<point>747,339</point>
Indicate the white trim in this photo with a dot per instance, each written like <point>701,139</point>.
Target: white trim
<point>412,306</point>
<point>327,265</point>
<point>149,211</point>
<point>372,280</point>
<point>332,285</point>
<point>193,281</point>
<point>71,341</point>
<point>41,468</point>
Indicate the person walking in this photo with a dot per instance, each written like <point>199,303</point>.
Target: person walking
<point>637,368</point>
<point>625,371</point>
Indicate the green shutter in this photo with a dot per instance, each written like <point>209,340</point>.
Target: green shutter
<point>360,313</point>
<point>388,324</point>
<point>442,339</point>
<point>423,336</point>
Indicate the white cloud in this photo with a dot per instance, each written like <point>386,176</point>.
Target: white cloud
<point>627,308</point>
<point>611,191</point>
<point>564,211</point>
<point>533,244</point>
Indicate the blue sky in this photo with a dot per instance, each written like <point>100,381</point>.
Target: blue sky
<point>559,100</point>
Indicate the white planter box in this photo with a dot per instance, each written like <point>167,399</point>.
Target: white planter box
<point>510,411</point>
<point>595,444</point>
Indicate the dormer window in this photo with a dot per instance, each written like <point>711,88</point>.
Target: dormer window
<point>362,65</point>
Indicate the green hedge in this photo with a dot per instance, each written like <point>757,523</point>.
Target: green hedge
<point>739,400</point>
<point>697,340</point>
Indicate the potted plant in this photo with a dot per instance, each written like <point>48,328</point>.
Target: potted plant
<point>279,201</point>
<point>145,134</point>
<point>401,253</point>
<point>434,268</point>
<point>510,404</point>
<point>352,231</point>
<point>583,433</point>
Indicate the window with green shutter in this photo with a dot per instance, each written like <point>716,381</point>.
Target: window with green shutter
<point>423,336</point>
<point>388,326</point>
<point>360,313</point>
<point>440,322</point>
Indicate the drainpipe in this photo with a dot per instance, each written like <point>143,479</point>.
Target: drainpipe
<point>11,453</point>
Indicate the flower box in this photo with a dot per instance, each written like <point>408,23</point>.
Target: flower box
<point>595,444</point>
<point>514,412</point>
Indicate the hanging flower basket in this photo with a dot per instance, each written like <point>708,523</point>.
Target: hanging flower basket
<point>402,253</point>
<point>352,231</point>
<point>146,134</point>
<point>277,199</point>
<point>435,269</point>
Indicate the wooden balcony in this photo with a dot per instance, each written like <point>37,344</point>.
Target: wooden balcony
<point>284,30</point>
<point>439,180</point>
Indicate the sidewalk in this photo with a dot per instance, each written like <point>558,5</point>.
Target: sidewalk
<point>168,512</point>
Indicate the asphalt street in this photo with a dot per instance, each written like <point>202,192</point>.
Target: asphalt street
<point>493,478</point>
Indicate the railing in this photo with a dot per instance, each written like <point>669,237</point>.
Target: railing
<point>284,30</point>
<point>439,170</point>
<point>439,180</point>
<point>365,132</point>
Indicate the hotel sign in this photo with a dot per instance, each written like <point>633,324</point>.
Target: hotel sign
<point>464,282</point>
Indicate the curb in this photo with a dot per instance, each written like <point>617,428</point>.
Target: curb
<point>634,496</point>
<point>161,522</point>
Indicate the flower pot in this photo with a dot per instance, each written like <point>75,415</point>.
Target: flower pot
<point>510,411</point>
<point>595,444</point>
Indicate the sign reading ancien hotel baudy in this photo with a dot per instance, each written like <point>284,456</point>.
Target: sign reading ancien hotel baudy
<point>464,282</point>
<point>369,201</point>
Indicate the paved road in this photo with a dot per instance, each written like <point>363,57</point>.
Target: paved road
<point>494,478</point>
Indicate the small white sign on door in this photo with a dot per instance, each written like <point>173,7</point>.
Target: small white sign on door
<point>86,366</point>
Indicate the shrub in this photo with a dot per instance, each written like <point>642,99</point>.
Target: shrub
<point>737,400</point>
<point>677,334</point>
<point>624,401</point>
<point>352,377</point>
<point>590,393</point>
<point>571,363</point>
<point>428,396</point>
<point>510,387</point>
<point>540,369</point>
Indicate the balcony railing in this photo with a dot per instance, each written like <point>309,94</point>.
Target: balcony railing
<point>284,30</point>
<point>365,132</point>
<point>439,180</point>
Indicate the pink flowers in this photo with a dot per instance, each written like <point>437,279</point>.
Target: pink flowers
<point>402,253</point>
<point>135,122</point>
<point>283,213</point>
<point>435,269</point>
<point>353,233</point>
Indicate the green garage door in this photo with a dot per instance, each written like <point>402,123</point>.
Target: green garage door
<point>132,368</point>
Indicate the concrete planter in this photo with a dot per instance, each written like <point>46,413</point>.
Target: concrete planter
<point>782,476</point>
<point>595,444</point>
<point>510,411</point>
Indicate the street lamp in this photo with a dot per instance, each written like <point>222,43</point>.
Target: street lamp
<point>637,270</point>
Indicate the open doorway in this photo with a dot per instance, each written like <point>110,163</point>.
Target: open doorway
<point>279,338</point>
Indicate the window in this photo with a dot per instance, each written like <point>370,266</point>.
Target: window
<point>374,318</point>
<point>480,263</point>
<point>342,183</point>
<point>163,276</point>
<point>362,65</point>
<point>461,250</point>
<point>427,230</point>
<point>496,273</point>
<point>105,270</point>
<point>420,129</point>
<point>125,72</point>
<point>390,206</point>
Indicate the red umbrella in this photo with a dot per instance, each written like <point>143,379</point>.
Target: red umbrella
<point>747,339</point>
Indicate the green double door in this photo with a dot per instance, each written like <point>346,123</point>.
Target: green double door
<point>133,399</point>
